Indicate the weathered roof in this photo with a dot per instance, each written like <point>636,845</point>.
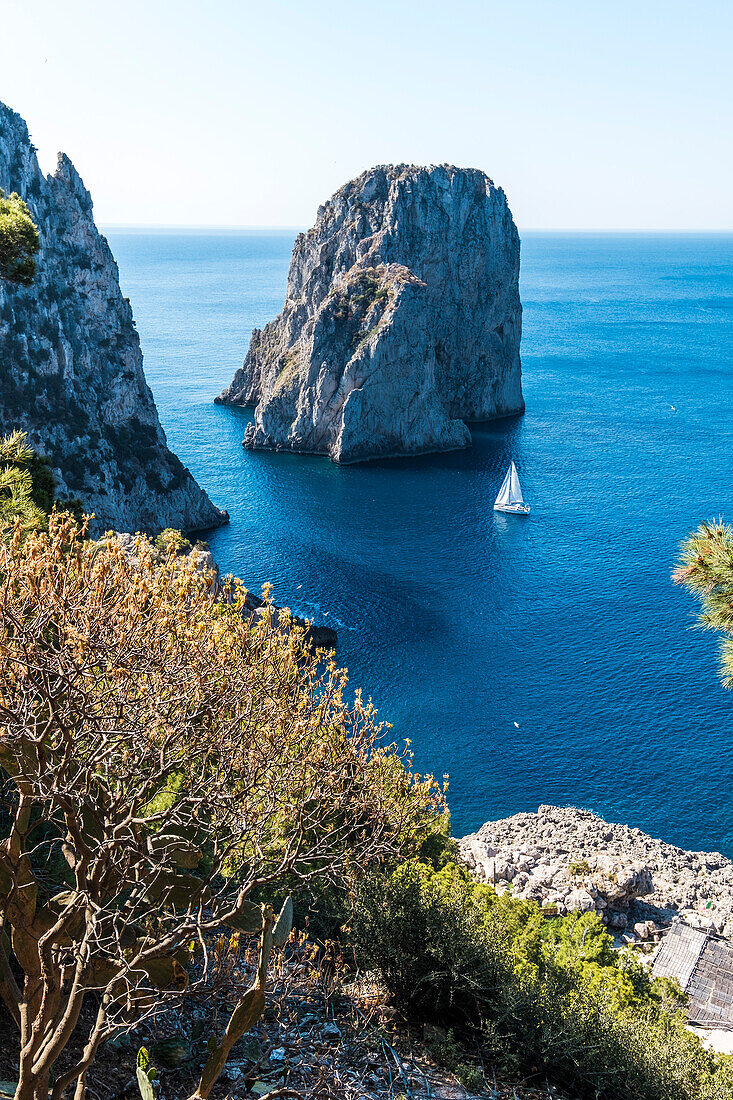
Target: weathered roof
<point>711,986</point>
<point>703,965</point>
<point>679,953</point>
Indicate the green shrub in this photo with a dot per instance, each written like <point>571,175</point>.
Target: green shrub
<point>579,867</point>
<point>171,541</point>
<point>448,1052</point>
<point>26,485</point>
<point>470,1077</point>
<point>422,930</point>
<point>366,288</point>
<point>547,996</point>
<point>18,241</point>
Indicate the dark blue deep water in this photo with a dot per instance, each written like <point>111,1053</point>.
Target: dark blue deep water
<point>547,659</point>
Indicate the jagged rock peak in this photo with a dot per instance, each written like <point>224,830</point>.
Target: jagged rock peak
<point>71,368</point>
<point>402,320</point>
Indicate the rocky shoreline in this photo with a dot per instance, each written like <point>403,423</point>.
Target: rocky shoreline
<point>316,635</point>
<point>568,859</point>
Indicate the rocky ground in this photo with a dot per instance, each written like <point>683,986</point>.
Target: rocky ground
<point>313,1044</point>
<point>570,859</point>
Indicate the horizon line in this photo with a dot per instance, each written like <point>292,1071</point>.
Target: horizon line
<point>167,227</point>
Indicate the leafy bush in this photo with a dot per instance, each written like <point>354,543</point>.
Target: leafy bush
<point>363,289</point>
<point>449,1053</point>
<point>366,288</point>
<point>163,762</point>
<point>544,996</point>
<point>18,240</point>
<point>579,867</point>
<point>26,485</point>
<point>171,541</point>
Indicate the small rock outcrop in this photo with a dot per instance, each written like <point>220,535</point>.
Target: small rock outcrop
<point>71,369</point>
<point>402,320</point>
<point>201,558</point>
<point>317,636</point>
<point>573,860</point>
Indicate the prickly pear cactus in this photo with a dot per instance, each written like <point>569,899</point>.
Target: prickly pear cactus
<point>283,924</point>
<point>145,1074</point>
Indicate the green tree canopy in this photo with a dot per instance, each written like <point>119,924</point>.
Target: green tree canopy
<point>26,485</point>
<point>705,567</point>
<point>18,240</point>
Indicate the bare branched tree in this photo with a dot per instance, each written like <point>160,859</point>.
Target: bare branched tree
<point>162,760</point>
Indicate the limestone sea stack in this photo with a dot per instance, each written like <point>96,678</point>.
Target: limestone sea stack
<point>402,320</point>
<point>71,367</point>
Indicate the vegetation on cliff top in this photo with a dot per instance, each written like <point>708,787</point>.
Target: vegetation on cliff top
<point>541,998</point>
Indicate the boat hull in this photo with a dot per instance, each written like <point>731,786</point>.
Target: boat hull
<point>515,509</point>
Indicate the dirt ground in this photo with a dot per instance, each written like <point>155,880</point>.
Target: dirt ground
<point>310,1044</point>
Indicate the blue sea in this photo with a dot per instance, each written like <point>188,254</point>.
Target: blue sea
<point>540,659</point>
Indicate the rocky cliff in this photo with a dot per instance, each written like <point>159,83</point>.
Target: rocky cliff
<point>402,320</point>
<point>71,371</point>
<point>573,860</point>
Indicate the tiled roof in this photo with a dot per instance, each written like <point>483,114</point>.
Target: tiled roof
<point>703,965</point>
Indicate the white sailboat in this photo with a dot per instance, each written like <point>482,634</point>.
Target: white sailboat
<point>510,497</point>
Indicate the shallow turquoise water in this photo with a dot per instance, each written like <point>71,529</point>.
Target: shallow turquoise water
<point>459,621</point>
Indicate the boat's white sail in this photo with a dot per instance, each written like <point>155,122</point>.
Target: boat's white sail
<point>510,497</point>
<point>515,489</point>
<point>503,497</point>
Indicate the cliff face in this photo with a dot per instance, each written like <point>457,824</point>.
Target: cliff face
<point>71,371</point>
<point>402,320</point>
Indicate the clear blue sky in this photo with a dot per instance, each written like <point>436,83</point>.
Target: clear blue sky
<point>590,115</point>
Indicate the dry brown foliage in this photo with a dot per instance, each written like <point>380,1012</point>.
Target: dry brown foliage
<point>161,759</point>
